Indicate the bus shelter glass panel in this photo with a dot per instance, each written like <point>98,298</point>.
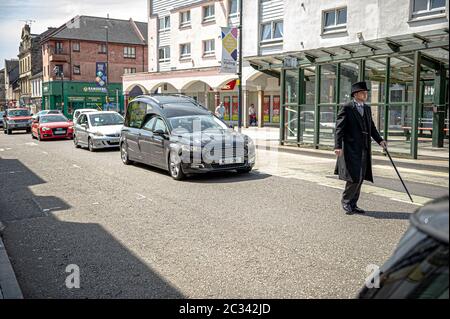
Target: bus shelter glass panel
<point>307,108</point>
<point>425,113</point>
<point>328,83</point>
<point>349,75</point>
<point>327,125</point>
<point>291,106</point>
<point>291,87</point>
<point>291,120</point>
<point>400,105</point>
<point>375,76</point>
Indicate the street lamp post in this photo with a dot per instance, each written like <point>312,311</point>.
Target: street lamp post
<point>240,68</point>
<point>107,65</point>
<point>60,73</point>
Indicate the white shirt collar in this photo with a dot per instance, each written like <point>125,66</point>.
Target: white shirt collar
<point>357,103</point>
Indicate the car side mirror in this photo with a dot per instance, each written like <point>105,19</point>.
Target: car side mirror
<point>159,132</point>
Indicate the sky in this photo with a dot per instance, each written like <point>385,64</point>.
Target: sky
<point>54,13</point>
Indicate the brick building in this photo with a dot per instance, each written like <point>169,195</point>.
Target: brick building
<point>84,61</point>
<point>30,64</point>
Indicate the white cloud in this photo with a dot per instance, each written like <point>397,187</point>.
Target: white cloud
<point>54,13</point>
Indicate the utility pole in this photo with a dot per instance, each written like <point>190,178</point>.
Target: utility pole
<point>107,64</point>
<point>241,2</point>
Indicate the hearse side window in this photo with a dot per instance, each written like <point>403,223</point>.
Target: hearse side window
<point>150,123</point>
<point>160,125</point>
<point>136,114</point>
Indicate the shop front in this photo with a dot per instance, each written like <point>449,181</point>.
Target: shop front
<point>70,96</point>
<point>408,81</point>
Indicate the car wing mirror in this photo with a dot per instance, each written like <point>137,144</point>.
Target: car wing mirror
<point>160,133</point>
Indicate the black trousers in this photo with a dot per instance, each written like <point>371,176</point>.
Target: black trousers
<point>353,189</point>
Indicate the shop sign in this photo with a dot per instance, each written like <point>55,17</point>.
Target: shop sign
<point>75,99</point>
<point>290,62</point>
<point>94,99</point>
<point>229,86</point>
<point>90,89</point>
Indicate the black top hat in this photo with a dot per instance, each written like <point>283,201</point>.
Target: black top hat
<point>358,87</point>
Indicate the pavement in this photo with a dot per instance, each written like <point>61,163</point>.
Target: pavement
<point>9,288</point>
<point>133,232</point>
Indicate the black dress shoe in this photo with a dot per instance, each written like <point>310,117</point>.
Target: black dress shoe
<point>348,209</point>
<point>358,210</point>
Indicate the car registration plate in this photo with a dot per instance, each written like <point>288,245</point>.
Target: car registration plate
<point>231,160</point>
<point>60,132</point>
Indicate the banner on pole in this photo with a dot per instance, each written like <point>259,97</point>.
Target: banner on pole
<point>100,74</point>
<point>229,50</point>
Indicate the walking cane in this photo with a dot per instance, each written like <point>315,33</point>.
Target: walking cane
<point>396,170</point>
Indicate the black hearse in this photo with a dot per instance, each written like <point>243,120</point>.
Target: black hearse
<point>175,133</point>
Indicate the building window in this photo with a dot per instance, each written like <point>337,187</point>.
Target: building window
<point>335,20</point>
<point>209,48</point>
<point>59,48</point>
<point>185,51</point>
<point>164,23</point>
<point>164,54</point>
<point>185,19</point>
<point>76,47</point>
<point>233,7</point>
<point>129,70</point>
<point>208,13</point>
<point>76,69</point>
<point>272,31</point>
<point>129,52</point>
<point>58,70</point>
<point>421,8</point>
<point>102,48</point>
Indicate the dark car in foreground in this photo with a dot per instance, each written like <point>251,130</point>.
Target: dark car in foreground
<point>177,134</point>
<point>418,269</point>
<point>16,120</point>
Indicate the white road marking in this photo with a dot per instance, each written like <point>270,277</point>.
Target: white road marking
<point>140,197</point>
<point>2,149</point>
<point>405,201</point>
<point>76,166</point>
<point>44,152</point>
<point>31,144</point>
<point>317,170</point>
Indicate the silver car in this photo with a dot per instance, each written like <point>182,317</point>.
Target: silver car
<point>96,130</point>
<point>78,112</point>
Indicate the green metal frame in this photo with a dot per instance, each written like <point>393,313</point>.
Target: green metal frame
<point>416,105</point>
<point>317,107</point>
<point>283,105</point>
<point>387,98</point>
<point>440,86</point>
<point>301,99</point>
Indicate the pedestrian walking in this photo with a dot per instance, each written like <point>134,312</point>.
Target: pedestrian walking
<point>354,130</point>
<point>252,113</point>
<point>220,111</point>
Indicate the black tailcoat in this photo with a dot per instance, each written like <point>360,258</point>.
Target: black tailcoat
<point>350,137</point>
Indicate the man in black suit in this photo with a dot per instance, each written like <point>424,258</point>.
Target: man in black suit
<point>354,130</point>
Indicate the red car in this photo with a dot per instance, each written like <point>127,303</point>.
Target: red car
<point>16,119</point>
<point>52,126</point>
